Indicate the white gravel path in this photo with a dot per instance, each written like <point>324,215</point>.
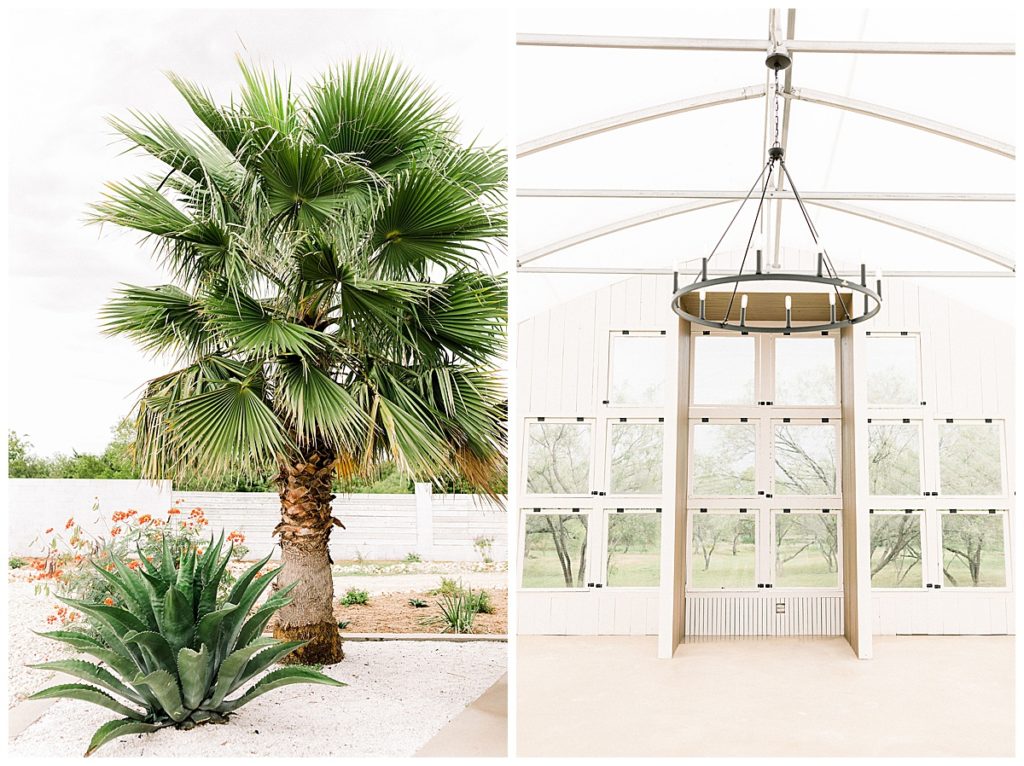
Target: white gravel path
<point>27,612</point>
<point>400,694</point>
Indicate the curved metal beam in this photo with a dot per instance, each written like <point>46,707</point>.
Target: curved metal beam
<point>642,115</point>
<point>611,228</point>
<point>916,228</point>
<point>902,118</point>
<point>872,215</point>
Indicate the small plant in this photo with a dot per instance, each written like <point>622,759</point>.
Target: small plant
<point>448,587</point>
<point>483,545</point>
<point>457,613</point>
<point>16,562</point>
<point>342,624</point>
<point>355,597</point>
<point>480,602</point>
<point>413,558</point>
<point>177,651</point>
<point>418,603</point>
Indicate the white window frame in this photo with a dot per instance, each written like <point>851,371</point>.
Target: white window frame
<point>587,513</point>
<point>772,514</point>
<point>771,358</point>
<point>806,501</point>
<point>734,510</point>
<point>922,459</point>
<point>592,478</point>
<point>927,566</point>
<point>611,423</point>
<point>613,335</point>
<point>1004,513</point>
<point>759,478</point>
<point>941,423</point>
<point>918,402</point>
<point>606,527</point>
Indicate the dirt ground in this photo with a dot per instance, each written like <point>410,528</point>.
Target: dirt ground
<point>392,613</point>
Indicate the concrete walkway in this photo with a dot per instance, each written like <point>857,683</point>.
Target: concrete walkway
<point>480,731</point>
<point>920,696</point>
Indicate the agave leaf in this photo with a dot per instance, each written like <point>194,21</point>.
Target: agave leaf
<point>120,727</point>
<point>166,561</point>
<point>122,586</point>
<point>124,666</point>
<point>254,626</point>
<point>295,674</point>
<point>87,693</point>
<point>148,566</point>
<point>230,670</point>
<point>75,638</point>
<point>265,659</point>
<point>194,670</point>
<point>208,598</point>
<point>209,626</point>
<point>155,648</point>
<point>87,671</point>
<point>165,688</point>
<point>117,618</point>
<point>238,589</point>
<point>187,573</point>
<point>179,621</point>
<point>156,589</point>
<point>233,624</point>
<point>139,597</point>
<point>118,647</point>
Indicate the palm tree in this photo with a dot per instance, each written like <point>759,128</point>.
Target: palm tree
<point>331,308</point>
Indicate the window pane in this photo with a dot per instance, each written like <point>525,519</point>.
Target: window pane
<point>806,550</point>
<point>805,460</point>
<point>970,459</point>
<point>634,549</point>
<point>636,458</point>
<point>724,551</point>
<point>893,376</point>
<point>555,550</point>
<point>894,458</point>
<point>638,370</point>
<point>723,370</point>
<point>973,550</point>
<point>558,462</point>
<point>805,371</point>
<point>723,459</point>
<point>896,550</point>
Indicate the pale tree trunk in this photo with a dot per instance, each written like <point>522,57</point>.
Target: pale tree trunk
<point>305,529</point>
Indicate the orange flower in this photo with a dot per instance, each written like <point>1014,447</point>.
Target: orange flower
<point>51,619</point>
<point>108,601</point>
<point>196,513</point>
<point>115,531</point>
<point>133,564</point>
<point>236,537</point>
<point>174,512</point>
<point>71,523</point>
<point>145,518</point>
<point>49,530</point>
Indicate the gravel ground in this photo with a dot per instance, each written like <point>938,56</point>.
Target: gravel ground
<point>400,694</point>
<point>28,612</point>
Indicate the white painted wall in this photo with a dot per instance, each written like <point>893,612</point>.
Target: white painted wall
<point>437,527</point>
<point>35,505</point>
<point>562,372</point>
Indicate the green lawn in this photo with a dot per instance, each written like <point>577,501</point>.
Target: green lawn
<point>542,570</point>
<point>993,571</point>
<point>640,569</point>
<point>889,577</point>
<point>724,570</point>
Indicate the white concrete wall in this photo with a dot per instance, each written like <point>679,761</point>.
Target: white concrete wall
<point>34,505</point>
<point>437,527</point>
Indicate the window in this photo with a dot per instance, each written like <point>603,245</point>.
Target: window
<point>805,371</point>
<point>896,549</point>
<point>558,459</point>
<point>806,549</point>
<point>636,458</point>
<point>723,459</point>
<point>633,559</point>
<point>638,370</point>
<point>723,369</point>
<point>893,370</point>
<point>554,550</point>
<point>970,459</point>
<point>973,549</point>
<point>805,459</point>
<point>894,458</point>
<point>723,550</point>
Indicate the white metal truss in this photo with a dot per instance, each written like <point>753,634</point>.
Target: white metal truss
<point>702,199</point>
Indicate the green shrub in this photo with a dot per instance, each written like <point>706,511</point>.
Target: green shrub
<point>418,603</point>
<point>342,624</point>
<point>413,558</point>
<point>355,596</point>
<point>448,587</point>
<point>177,651</point>
<point>457,613</point>
<point>480,601</point>
<point>16,562</point>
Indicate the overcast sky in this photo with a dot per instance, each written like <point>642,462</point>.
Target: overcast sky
<point>69,385</point>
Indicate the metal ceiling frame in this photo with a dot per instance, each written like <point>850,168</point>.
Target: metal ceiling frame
<point>707,198</point>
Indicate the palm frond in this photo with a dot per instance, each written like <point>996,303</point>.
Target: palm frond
<point>158,319</point>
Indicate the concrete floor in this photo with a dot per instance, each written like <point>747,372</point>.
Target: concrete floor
<point>479,731</point>
<point>919,696</point>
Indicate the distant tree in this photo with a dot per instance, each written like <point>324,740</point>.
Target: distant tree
<point>22,462</point>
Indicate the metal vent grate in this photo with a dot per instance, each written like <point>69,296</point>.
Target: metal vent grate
<point>718,614</point>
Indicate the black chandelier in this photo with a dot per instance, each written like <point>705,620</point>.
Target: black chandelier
<point>839,291</point>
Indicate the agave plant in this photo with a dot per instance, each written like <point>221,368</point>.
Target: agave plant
<point>176,653</point>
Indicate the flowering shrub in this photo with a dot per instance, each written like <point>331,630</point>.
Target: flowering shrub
<point>74,556</point>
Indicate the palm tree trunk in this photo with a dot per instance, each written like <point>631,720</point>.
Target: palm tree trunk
<point>305,530</point>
